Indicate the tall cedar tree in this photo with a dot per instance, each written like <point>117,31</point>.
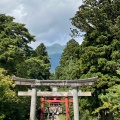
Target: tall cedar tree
<point>14,39</point>
<point>36,67</point>
<point>42,54</point>
<point>100,50</point>
<point>67,68</point>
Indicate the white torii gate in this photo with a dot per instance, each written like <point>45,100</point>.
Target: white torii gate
<point>73,83</point>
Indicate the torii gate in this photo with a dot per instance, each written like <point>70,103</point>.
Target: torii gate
<point>73,83</point>
<point>54,93</point>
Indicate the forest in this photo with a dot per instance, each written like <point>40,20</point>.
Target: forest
<point>98,21</point>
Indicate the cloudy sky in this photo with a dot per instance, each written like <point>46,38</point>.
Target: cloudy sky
<point>48,20</point>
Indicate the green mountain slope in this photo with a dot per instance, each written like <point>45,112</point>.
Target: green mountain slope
<point>55,49</point>
<point>55,52</point>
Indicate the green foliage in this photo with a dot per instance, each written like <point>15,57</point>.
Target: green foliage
<point>9,102</point>
<point>36,67</point>
<point>99,52</point>
<point>62,117</point>
<point>70,53</point>
<point>14,39</point>
<point>21,60</point>
<point>111,101</point>
<point>118,72</point>
<point>41,52</point>
<point>67,68</point>
<point>42,55</point>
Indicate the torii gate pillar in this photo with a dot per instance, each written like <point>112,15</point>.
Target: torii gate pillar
<point>33,103</point>
<point>75,103</point>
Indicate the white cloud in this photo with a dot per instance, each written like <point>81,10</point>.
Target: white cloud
<point>48,20</point>
<point>19,12</point>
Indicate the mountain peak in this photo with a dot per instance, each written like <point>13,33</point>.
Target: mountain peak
<point>55,49</point>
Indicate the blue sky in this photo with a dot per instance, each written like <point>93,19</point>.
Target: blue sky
<point>48,20</point>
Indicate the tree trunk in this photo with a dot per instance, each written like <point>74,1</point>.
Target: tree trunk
<point>105,116</point>
<point>110,116</point>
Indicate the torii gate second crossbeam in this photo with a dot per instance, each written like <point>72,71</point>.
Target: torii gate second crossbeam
<point>73,83</point>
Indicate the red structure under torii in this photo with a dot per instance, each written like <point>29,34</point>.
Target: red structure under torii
<point>55,100</point>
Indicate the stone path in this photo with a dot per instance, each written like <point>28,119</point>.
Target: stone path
<point>56,117</point>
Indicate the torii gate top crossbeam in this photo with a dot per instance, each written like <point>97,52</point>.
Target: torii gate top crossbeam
<point>72,83</point>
